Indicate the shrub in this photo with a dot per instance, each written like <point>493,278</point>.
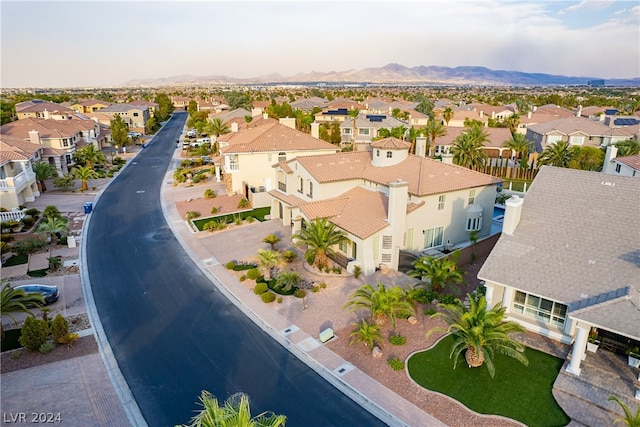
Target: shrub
<point>448,299</point>
<point>260,288</point>
<point>289,256</point>
<point>429,311</point>
<point>5,247</point>
<point>209,193</point>
<point>253,274</point>
<point>59,327</point>
<point>230,265</point>
<point>69,339</point>
<point>300,293</point>
<point>28,221</point>
<point>337,269</point>
<point>243,277</point>
<point>237,219</point>
<point>10,225</point>
<point>193,214</point>
<point>34,333</point>
<point>357,271</point>
<point>30,245</point>
<point>63,240</point>
<point>250,219</point>
<point>197,178</point>
<point>268,297</point>
<point>215,210</point>
<point>55,262</point>
<point>46,347</point>
<point>32,212</point>
<point>243,203</point>
<point>243,267</point>
<point>323,285</point>
<point>51,211</point>
<point>64,183</point>
<point>315,289</point>
<point>279,299</point>
<point>6,237</point>
<point>395,363</point>
<point>397,339</point>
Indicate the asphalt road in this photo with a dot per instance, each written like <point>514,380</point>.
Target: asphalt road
<point>173,334</point>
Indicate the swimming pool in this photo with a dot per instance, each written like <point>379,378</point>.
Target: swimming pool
<point>498,213</point>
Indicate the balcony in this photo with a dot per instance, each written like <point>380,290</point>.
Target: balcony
<point>18,182</point>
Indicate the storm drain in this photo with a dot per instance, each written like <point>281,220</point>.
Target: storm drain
<point>289,330</point>
<point>343,369</point>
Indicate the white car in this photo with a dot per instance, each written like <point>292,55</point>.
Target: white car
<point>134,135</point>
<point>192,133</point>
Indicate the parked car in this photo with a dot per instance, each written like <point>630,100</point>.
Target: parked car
<point>201,141</point>
<point>50,293</point>
<point>133,135</point>
<point>192,133</point>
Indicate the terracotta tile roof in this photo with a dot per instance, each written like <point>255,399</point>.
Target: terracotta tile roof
<point>34,107</point>
<point>47,128</point>
<point>12,148</point>
<point>631,161</point>
<point>272,136</point>
<point>573,125</point>
<point>554,110</point>
<point>290,199</point>
<point>285,167</point>
<point>425,176</point>
<point>392,143</point>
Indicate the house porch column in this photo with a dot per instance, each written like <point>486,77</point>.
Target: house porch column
<point>489,295</point>
<point>217,167</point>
<point>577,352</point>
<point>507,298</point>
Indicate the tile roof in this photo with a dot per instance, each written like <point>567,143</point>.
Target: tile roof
<point>578,237</point>
<point>122,108</point>
<point>573,125</point>
<point>631,161</point>
<point>425,176</point>
<point>391,143</point>
<point>33,107</point>
<point>12,148</point>
<point>272,136</point>
<point>47,128</point>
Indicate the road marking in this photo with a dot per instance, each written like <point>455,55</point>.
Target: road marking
<point>140,191</point>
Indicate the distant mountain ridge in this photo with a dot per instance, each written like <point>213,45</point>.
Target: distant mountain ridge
<point>398,74</point>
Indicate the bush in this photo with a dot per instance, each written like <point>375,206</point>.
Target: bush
<point>52,211</point>
<point>215,210</point>
<point>64,183</point>
<point>289,256</point>
<point>5,247</point>
<point>55,262</point>
<point>30,245</point>
<point>253,274</point>
<point>193,214</point>
<point>32,212</point>
<point>448,299</point>
<point>300,293</point>
<point>260,288</point>
<point>397,339</point>
<point>243,203</point>
<point>315,289</point>
<point>250,219</point>
<point>243,277</point>
<point>209,193</point>
<point>357,271</point>
<point>69,339</point>
<point>268,297</point>
<point>46,347</point>
<point>28,221</point>
<point>395,363</point>
<point>10,225</point>
<point>323,285</point>
<point>34,333</point>
<point>6,237</point>
<point>337,269</point>
<point>230,265</point>
<point>59,327</point>
<point>197,178</point>
<point>243,267</point>
<point>429,311</point>
<point>63,240</point>
<point>279,300</point>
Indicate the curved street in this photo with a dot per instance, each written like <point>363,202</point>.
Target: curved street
<point>172,332</point>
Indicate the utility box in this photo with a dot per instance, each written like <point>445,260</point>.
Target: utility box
<point>88,207</point>
<point>326,335</point>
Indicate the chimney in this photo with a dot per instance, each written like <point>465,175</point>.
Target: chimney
<point>535,108</point>
<point>579,112</point>
<point>529,115</point>
<point>612,153</point>
<point>421,146</point>
<point>397,217</point>
<point>315,130</point>
<point>34,137</point>
<point>265,116</point>
<point>289,122</point>
<point>513,209</point>
<point>46,114</point>
<point>447,158</point>
<point>493,114</point>
<point>481,114</point>
<point>234,126</point>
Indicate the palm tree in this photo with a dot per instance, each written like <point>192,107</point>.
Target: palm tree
<point>90,156</point>
<point>480,333</point>
<point>354,113</point>
<point>271,240</point>
<point>267,261</point>
<point>468,148</point>
<point>629,419</point>
<point>438,272</point>
<point>84,174</point>
<point>248,119</point>
<point>16,301</point>
<point>520,146</point>
<point>381,302</point>
<point>448,114</point>
<point>434,129</point>
<point>287,280</point>
<point>557,154</point>
<point>365,333</point>
<point>236,412</point>
<point>43,170</point>
<point>53,226</point>
<point>217,127</point>
<point>320,236</point>
<point>628,147</point>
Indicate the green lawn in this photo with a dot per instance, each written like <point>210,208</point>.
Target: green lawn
<point>258,213</point>
<point>517,391</point>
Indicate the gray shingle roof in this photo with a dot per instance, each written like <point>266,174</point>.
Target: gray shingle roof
<point>578,238</point>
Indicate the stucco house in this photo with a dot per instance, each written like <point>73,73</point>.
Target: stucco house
<point>134,115</point>
<point>17,180</point>
<point>248,155</point>
<point>367,128</point>
<point>568,259</point>
<point>90,106</point>
<point>37,108</point>
<point>385,200</point>
<point>493,147</point>
<point>625,166</point>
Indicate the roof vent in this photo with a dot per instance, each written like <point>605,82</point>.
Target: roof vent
<point>608,183</point>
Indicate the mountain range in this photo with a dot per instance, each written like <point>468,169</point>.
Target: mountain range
<point>396,74</point>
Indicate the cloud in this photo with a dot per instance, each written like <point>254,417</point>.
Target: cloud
<point>588,5</point>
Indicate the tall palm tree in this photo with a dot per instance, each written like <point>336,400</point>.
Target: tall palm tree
<point>248,119</point>
<point>557,154</point>
<point>480,333</point>
<point>320,237</point>
<point>520,146</point>
<point>447,115</point>
<point>217,127</point>
<point>84,174</point>
<point>434,129</point>
<point>440,273</point>
<point>383,303</point>
<point>16,301</point>
<point>43,170</point>
<point>630,420</point>
<point>90,156</point>
<point>53,225</point>
<point>468,148</point>
<point>236,412</point>
<point>267,261</point>
<point>365,333</point>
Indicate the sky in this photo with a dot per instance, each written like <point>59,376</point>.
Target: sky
<point>108,43</point>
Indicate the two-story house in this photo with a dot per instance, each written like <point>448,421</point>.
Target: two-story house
<point>385,200</point>
<point>135,115</point>
<point>366,128</point>
<point>37,109</point>
<point>625,166</point>
<point>90,106</point>
<point>17,180</point>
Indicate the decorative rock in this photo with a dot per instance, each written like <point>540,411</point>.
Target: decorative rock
<point>376,353</point>
<point>412,320</point>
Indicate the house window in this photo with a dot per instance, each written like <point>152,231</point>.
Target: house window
<point>618,168</point>
<point>135,114</point>
<point>387,242</point>
<point>301,187</point>
<point>363,131</point>
<point>65,142</point>
<point>433,237</point>
<point>346,131</point>
<point>539,308</point>
<point>441,199</point>
<point>310,194</point>
<point>233,162</point>
<point>67,158</point>
<point>377,153</point>
<point>282,157</point>
<point>474,224</point>
<point>389,154</point>
<point>472,196</point>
